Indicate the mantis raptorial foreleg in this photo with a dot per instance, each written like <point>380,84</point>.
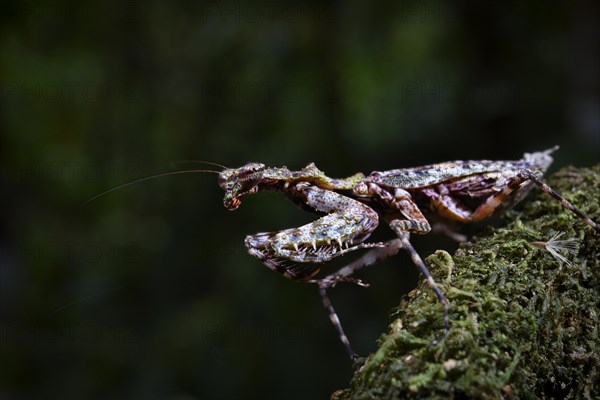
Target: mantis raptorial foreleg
<point>295,253</point>
<point>386,250</point>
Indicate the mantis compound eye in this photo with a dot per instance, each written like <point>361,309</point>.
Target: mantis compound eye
<point>226,179</point>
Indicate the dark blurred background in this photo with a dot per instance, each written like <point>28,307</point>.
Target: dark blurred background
<point>147,292</point>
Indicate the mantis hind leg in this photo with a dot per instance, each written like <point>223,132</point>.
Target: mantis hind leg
<point>449,207</point>
<point>564,202</point>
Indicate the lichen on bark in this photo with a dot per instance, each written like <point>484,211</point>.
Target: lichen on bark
<point>523,324</point>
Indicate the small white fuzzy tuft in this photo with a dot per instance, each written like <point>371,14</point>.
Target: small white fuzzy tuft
<point>560,249</point>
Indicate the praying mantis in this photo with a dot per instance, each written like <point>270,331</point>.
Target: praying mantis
<point>350,209</point>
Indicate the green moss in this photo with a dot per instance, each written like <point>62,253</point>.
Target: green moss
<point>523,326</point>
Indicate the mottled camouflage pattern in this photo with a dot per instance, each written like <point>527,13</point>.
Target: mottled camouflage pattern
<point>464,191</point>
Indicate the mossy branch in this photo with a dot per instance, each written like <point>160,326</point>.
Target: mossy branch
<point>524,324</point>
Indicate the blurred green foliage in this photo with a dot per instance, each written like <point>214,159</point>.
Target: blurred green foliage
<point>148,292</point>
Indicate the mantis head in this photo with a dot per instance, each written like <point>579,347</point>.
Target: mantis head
<point>238,182</point>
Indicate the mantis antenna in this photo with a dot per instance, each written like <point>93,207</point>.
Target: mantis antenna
<point>200,162</point>
<point>146,178</point>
